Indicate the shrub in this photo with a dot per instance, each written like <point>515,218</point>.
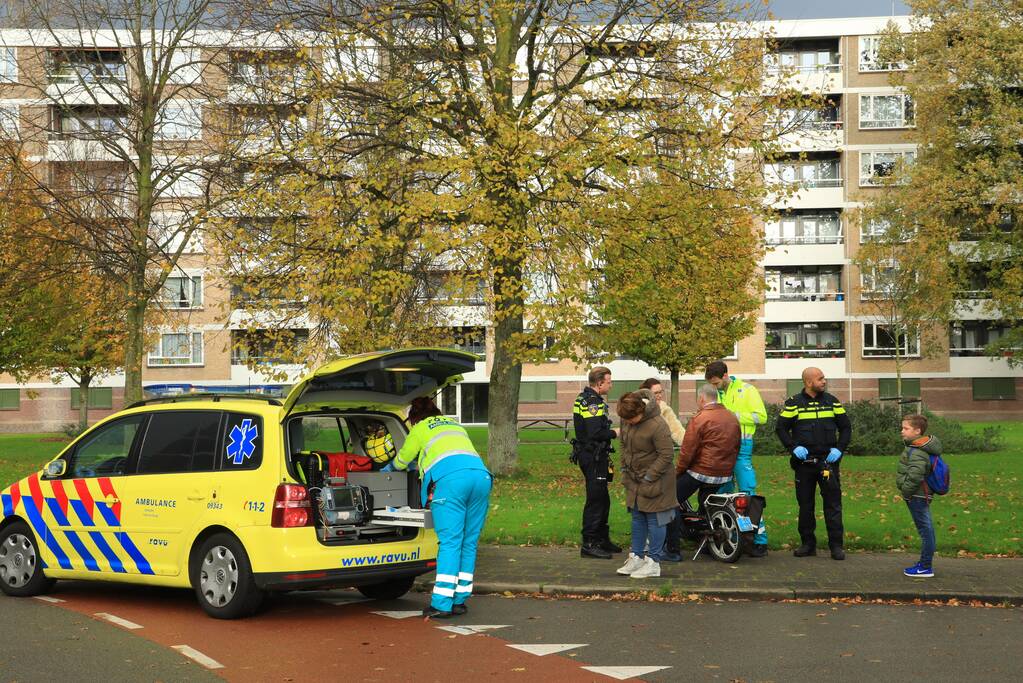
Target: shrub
<point>876,432</point>
<point>71,429</point>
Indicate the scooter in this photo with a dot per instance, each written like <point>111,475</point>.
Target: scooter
<point>724,523</point>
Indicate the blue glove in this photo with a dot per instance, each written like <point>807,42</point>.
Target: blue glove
<point>833,455</point>
<point>800,452</point>
<point>389,467</point>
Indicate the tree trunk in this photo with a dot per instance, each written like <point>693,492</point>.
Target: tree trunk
<point>134,350</point>
<point>83,402</point>
<point>674,389</point>
<point>505,377</point>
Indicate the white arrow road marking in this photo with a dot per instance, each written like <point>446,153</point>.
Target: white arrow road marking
<point>622,673</point>
<point>400,614</point>
<point>197,656</point>
<point>543,649</point>
<point>124,623</point>
<point>471,630</point>
<point>47,598</point>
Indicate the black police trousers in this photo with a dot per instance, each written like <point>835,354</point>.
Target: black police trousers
<point>808,477</point>
<point>598,501</point>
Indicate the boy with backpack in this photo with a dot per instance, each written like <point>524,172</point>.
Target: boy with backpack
<point>921,473</point>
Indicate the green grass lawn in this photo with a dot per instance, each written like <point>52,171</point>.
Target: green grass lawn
<point>542,503</point>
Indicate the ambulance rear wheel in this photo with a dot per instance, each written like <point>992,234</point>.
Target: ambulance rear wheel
<point>21,567</point>
<point>387,590</point>
<point>222,579</point>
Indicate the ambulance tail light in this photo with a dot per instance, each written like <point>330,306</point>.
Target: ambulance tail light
<point>291,507</point>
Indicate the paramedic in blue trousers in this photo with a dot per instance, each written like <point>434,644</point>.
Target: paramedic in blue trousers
<point>454,473</point>
<point>745,403</point>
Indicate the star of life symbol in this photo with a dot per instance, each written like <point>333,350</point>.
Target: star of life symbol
<point>243,442</point>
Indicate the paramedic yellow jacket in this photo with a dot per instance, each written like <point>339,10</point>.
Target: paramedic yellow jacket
<point>745,402</point>
<point>439,445</point>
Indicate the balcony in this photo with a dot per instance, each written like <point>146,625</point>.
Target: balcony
<point>65,148</point>
<point>819,194</point>
<point>790,309</point>
<point>812,79</point>
<point>817,136</point>
<point>816,252</point>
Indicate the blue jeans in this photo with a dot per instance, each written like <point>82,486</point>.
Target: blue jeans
<point>644,526</point>
<point>920,509</point>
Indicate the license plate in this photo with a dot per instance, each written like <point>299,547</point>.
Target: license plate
<point>745,524</point>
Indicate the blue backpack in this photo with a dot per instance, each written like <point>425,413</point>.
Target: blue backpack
<point>939,480</point>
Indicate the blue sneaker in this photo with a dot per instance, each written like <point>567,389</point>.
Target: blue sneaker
<point>918,571</point>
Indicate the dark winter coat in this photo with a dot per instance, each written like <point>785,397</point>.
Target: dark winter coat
<point>647,451</point>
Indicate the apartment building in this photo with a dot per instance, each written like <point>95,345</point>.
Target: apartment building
<point>814,311</point>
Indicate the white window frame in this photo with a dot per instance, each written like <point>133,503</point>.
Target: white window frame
<point>869,280</point>
<point>191,360</point>
<point>867,161</point>
<point>10,121</point>
<point>910,348</point>
<point>193,302</point>
<point>868,108</point>
<point>165,235</point>
<point>869,46</point>
<point>169,128</point>
<point>8,65</point>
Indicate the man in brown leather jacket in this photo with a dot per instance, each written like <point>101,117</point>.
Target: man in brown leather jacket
<point>707,458</point>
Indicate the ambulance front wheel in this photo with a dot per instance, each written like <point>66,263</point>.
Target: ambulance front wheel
<point>222,579</point>
<point>21,567</point>
<point>388,590</point>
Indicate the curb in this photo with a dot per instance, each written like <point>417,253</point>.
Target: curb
<point>902,596</point>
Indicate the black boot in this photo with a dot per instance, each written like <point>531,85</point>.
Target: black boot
<point>805,550</point>
<point>837,552</point>
<point>459,609</point>
<point>432,612</point>
<point>610,546</point>
<point>593,549</point>
<point>758,550</point>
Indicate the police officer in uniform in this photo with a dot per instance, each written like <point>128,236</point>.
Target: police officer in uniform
<point>814,427</point>
<point>591,450</point>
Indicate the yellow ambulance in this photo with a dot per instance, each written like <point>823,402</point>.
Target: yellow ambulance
<point>236,495</point>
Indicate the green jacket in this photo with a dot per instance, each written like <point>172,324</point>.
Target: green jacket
<point>915,465</point>
<point>745,402</point>
<point>431,440</point>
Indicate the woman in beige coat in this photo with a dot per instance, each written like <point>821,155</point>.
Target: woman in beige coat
<point>649,479</point>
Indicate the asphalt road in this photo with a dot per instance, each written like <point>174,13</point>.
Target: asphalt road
<point>336,635</point>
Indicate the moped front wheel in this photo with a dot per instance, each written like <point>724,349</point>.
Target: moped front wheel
<point>726,540</point>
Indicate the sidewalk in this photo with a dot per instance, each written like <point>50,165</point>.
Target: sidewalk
<point>560,570</point>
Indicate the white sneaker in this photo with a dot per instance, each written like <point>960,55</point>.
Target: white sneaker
<point>648,570</point>
<point>632,564</point>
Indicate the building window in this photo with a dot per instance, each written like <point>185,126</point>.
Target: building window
<point>875,166</point>
<point>183,183</point>
<point>808,173</point>
<point>8,65</point>
<point>809,228</point>
<point>886,111</point>
<point>99,397</point>
<point>470,339</point>
<point>887,388</point>
<point>182,291</point>
<point>184,66</point>
<point>179,121</point>
<point>87,66</point>
<point>994,389</point>
<point>262,347</point>
<point>538,392</point>
<point>169,232</point>
<point>803,59</point>
<point>870,47</point>
<point>972,337</point>
<point>177,348</point>
<point>878,342</point>
<point>89,122</point>
<point>10,399</point>
<point>875,230</point>
<point>9,121</point>
<point>805,340</point>
<point>877,282</point>
<point>806,283</point>
<point>810,119</point>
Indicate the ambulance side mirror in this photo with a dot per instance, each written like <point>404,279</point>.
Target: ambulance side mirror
<point>56,469</point>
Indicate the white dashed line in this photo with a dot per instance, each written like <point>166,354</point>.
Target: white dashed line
<point>47,598</point>
<point>123,623</point>
<point>544,649</point>
<point>197,656</point>
<point>622,673</point>
<point>400,614</point>
<point>471,630</point>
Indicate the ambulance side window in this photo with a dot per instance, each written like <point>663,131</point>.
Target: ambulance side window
<point>242,441</point>
<point>323,433</point>
<point>106,451</point>
<point>179,441</point>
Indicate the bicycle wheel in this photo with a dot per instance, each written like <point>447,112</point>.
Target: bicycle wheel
<point>726,541</point>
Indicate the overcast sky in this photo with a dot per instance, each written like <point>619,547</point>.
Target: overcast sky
<point>825,9</point>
